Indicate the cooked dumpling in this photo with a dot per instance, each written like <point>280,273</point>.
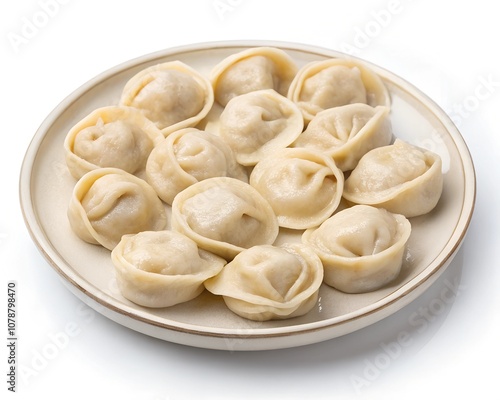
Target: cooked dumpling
<point>267,282</point>
<point>114,136</point>
<point>162,268</point>
<point>224,216</point>
<point>172,95</point>
<point>401,178</point>
<point>188,156</point>
<point>361,247</point>
<point>304,187</point>
<point>346,133</point>
<point>320,85</point>
<point>250,70</point>
<point>108,203</point>
<point>257,124</point>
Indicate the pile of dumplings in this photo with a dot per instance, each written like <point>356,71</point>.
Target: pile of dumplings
<point>258,147</point>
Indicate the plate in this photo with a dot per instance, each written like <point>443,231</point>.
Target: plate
<point>205,322</point>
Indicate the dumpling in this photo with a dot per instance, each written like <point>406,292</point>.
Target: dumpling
<point>253,69</point>
<point>346,133</point>
<point>361,247</point>
<point>188,156</point>
<point>114,136</point>
<point>162,268</point>
<point>172,95</point>
<point>268,282</point>
<point>335,82</point>
<point>108,203</point>
<point>304,187</point>
<point>401,178</point>
<point>224,215</point>
<point>257,124</point>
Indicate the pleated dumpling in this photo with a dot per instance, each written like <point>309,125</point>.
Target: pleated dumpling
<point>224,216</point>
<point>188,156</point>
<point>162,268</point>
<point>346,133</point>
<point>113,136</point>
<point>268,282</point>
<point>401,178</point>
<point>303,186</point>
<point>361,247</point>
<point>252,69</point>
<point>257,124</point>
<point>172,95</point>
<point>335,82</point>
<point>108,203</point>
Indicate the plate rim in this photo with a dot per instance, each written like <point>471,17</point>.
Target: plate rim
<point>395,300</point>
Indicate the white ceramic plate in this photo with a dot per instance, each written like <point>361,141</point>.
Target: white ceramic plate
<point>46,186</point>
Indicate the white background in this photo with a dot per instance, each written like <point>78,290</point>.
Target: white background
<point>447,49</point>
